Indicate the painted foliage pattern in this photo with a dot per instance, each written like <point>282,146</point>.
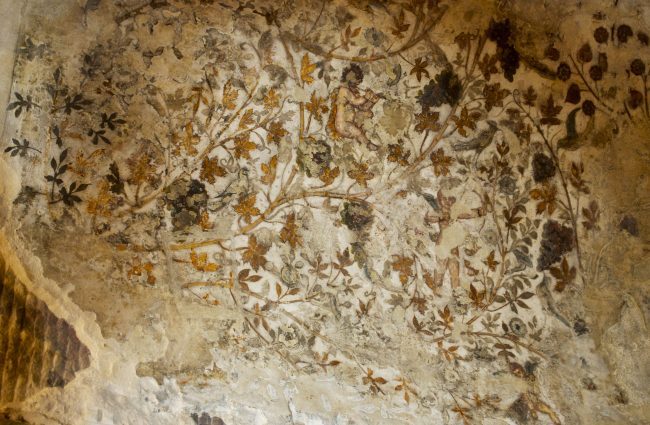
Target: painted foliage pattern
<point>343,176</point>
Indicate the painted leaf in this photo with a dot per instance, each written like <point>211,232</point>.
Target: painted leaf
<point>306,69</point>
<point>246,207</point>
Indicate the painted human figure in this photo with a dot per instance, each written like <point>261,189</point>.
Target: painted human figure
<point>351,107</point>
<point>443,217</point>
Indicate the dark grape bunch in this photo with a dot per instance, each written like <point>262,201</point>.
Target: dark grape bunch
<point>588,66</point>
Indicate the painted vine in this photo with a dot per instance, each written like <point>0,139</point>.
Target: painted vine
<point>232,143</point>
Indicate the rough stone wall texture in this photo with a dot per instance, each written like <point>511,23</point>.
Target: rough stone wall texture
<point>325,212</point>
<point>38,349</point>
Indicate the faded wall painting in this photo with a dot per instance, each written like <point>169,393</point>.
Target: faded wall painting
<point>325,212</point>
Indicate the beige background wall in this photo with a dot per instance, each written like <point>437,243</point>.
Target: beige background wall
<point>10,18</point>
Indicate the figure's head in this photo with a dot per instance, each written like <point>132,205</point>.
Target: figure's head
<point>352,75</point>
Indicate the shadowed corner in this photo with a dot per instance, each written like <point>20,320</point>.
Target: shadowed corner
<point>37,349</point>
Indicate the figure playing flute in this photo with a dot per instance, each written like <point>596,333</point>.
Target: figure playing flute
<point>351,108</point>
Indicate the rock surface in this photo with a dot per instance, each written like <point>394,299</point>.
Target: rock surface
<point>324,212</point>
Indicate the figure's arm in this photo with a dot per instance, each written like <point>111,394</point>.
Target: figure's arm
<point>372,96</point>
<point>441,218</point>
<point>474,213</point>
<point>354,99</point>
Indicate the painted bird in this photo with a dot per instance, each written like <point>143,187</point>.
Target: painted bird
<point>573,140</point>
<point>480,142</point>
<point>238,186</point>
<point>546,299</point>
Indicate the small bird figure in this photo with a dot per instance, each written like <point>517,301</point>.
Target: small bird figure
<point>480,142</point>
<point>367,6</point>
<point>573,140</point>
<point>547,301</point>
<point>238,186</point>
<point>431,200</point>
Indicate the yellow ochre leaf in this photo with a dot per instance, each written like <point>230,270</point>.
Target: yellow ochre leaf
<point>201,263</point>
<point>306,69</point>
<point>269,170</point>
<point>230,95</point>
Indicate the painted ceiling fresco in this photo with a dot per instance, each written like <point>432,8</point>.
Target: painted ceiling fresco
<point>326,212</point>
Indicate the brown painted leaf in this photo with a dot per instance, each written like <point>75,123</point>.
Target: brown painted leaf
<point>306,69</point>
<point>289,233</point>
<point>246,207</point>
<point>592,216</point>
<point>491,262</point>
<point>246,120</point>
<point>201,263</point>
<point>189,140</point>
<point>564,275</point>
<point>275,132</point>
<point>271,100</point>
<point>575,178</point>
<point>585,54</point>
<point>245,276</point>
<point>427,121</point>
<point>243,146</point>
<point>419,68</point>
<point>441,162</point>
<point>403,265</point>
<point>546,195</point>
<point>360,174</point>
<point>476,296</point>
<point>329,175</point>
<point>396,154</point>
<point>230,95</point>
<point>550,112</point>
<point>471,271</point>
<point>573,94</point>
<point>494,95</point>
<point>464,121</point>
<point>399,25</point>
<point>204,221</point>
<point>269,170</point>
<point>488,66</point>
<point>317,107</point>
<point>210,170</point>
<point>430,282</point>
<point>254,253</point>
<point>530,96</point>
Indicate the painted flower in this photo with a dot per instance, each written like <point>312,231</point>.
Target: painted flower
<point>374,36</point>
<point>507,185</point>
<point>490,236</point>
<point>518,327</point>
<point>289,336</point>
<point>290,276</point>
